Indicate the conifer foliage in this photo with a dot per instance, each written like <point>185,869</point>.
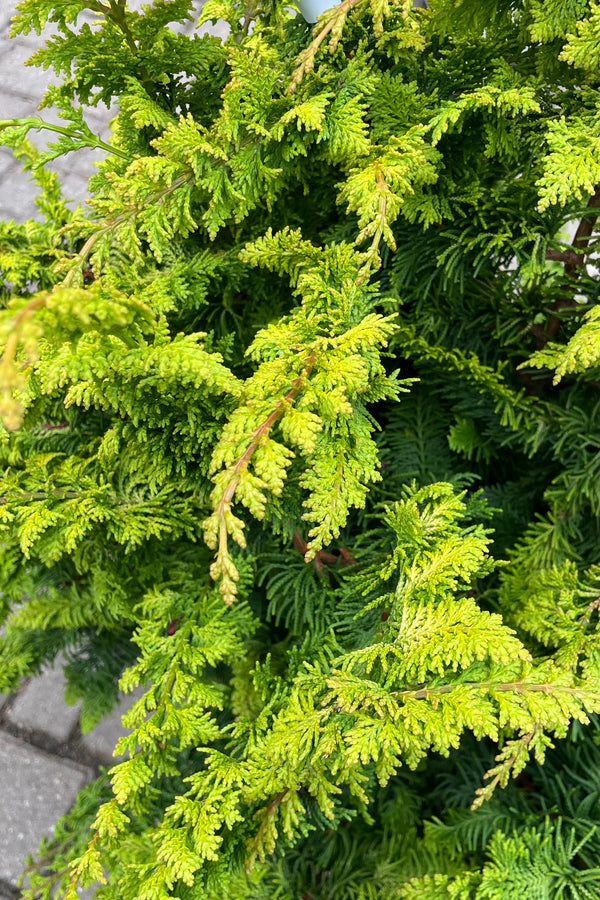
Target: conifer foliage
<point>299,441</point>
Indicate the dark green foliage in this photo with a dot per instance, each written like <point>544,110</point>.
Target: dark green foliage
<point>300,438</point>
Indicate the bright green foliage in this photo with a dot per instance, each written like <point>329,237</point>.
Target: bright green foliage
<point>579,355</point>
<point>300,442</point>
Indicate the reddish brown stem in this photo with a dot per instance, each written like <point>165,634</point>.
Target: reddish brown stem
<point>585,619</point>
<point>262,430</point>
<point>346,557</point>
<point>573,259</point>
<point>565,256</point>
<point>519,687</point>
<point>322,557</point>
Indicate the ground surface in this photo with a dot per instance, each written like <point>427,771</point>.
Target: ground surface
<point>44,759</point>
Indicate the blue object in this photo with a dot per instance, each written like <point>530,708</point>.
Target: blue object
<point>310,9</point>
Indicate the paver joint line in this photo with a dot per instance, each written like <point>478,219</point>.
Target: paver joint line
<point>44,759</point>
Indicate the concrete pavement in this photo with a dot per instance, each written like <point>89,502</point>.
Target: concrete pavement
<point>44,759</point>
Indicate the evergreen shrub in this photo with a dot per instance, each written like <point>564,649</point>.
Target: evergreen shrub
<point>300,441</point>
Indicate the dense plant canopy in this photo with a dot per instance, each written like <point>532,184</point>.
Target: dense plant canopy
<point>300,438</point>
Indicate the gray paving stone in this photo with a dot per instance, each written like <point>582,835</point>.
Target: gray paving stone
<point>7,164</point>
<point>35,790</point>
<point>41,707</point>
<point>85,895</point>
<point>21,90</point>
<point>15,105</point>
<point>29,81</point>
<point>17,202</point>
<point>101,741</point>
<point>6,14</point>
